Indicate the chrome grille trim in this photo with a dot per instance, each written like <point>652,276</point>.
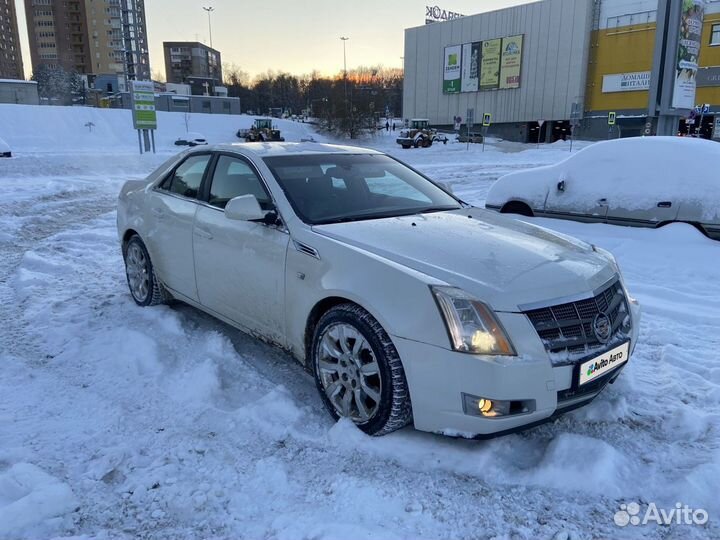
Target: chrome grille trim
<point>566,328</point>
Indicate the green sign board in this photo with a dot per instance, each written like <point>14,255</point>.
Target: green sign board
<point>451,68</point>
<point>143,104</point>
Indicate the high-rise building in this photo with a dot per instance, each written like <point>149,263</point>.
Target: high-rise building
<point>57,33</point>
<point>137,59</point>
<point>11,65</point>
<point>118,38</point>
<point>90,37</point>
<point>191,59</point>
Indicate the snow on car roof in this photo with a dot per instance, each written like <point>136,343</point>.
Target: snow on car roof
<point>268,149</point>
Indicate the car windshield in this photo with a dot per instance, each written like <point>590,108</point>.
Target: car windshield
<point>332,188</point>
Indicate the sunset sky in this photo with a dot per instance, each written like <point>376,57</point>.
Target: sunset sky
<point>287,35</point>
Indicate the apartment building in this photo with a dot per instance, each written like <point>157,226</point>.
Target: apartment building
<point>186,60</point>
<point>91,37</point>
<point>11,64</point>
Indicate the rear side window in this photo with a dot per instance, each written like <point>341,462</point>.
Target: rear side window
<point>187,177</point>
<point>232,178</point>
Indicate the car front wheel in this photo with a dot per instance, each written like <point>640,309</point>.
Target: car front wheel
<point>358,371</point>
<point>144,286</point>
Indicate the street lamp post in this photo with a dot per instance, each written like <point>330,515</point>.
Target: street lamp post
<point>209,11</point>
<point>344,39</point>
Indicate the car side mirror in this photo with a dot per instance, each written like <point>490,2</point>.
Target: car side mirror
<point>561,185</point>
<point>244,208</point>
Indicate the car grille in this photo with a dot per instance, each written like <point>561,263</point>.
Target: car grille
<point>567,332</point>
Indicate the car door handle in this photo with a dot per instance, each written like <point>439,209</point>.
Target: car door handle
<point>664,204</point>
<point>202,233</point>
<point>158,213</point>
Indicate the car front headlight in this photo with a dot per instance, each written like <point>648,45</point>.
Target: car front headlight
<point>472,326</point>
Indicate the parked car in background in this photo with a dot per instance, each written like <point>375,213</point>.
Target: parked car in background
<point>191,139</point>
<point>406,304</point>
<point>473,137</point>
<point>641,182</point>
<point>5,149</point>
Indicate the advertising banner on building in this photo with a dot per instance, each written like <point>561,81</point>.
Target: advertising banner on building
<point>490,64</point>
<point>626,82</point>
<point>451,69</point>
<point>708,76</point>
<point>691,21</point>
<point>143,104</point>
<point>511,62</point>
<point>470,67</point>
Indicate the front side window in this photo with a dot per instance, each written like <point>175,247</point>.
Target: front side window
<point>187,177</point>
<point>330,188</point>
<point>232,178</point>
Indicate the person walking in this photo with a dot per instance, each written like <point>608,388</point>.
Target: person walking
<point>387,126</point>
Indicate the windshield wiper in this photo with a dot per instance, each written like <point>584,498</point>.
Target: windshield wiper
<point>431,209</point>
<point>385,215</point>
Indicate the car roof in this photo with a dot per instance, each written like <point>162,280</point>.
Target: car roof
<point>655,143</point>
<point>270,149</point>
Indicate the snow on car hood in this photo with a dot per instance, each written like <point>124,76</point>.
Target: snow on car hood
<point>500,260</point>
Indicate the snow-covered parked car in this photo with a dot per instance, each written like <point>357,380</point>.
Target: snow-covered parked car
<point>405,303</point>
<point>642,182</point>
<point>191,139</point>
<point>4,149</point>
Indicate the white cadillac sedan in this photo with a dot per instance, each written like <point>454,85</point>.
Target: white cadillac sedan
<point>405,303</point>
<point>640,182</point>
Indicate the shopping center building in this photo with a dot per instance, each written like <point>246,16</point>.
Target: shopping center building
<point>563,63</point>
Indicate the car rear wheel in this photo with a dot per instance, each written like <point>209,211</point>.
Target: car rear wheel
<point>142,281</point>
<point>358,371</point>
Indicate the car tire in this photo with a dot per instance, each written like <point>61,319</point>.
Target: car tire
<point>145,288</point>
<point>417,143</point>
<point>406,146</point>
<point>352,355</point>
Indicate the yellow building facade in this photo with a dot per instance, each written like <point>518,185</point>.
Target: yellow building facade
<point>624,45</point>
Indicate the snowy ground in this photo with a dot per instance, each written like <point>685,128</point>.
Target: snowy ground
<point>120,422</point>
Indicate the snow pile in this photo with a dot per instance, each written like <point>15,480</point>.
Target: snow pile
<point>36,128</point>
<point>31,499</point>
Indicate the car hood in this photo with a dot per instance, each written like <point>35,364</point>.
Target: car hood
<point>502,261</point>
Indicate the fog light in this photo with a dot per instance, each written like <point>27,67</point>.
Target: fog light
<point>484,405</point>
<point>493,408</point>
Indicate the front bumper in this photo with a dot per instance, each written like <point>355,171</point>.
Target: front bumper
<point>437,379</point>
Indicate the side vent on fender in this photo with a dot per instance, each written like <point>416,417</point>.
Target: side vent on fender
<point>307,250</point>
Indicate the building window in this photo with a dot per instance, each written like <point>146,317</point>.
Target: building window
<point>715,35</point>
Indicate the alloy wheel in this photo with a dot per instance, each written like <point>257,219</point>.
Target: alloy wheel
<point>349,372</point>
<point>138,274</point>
